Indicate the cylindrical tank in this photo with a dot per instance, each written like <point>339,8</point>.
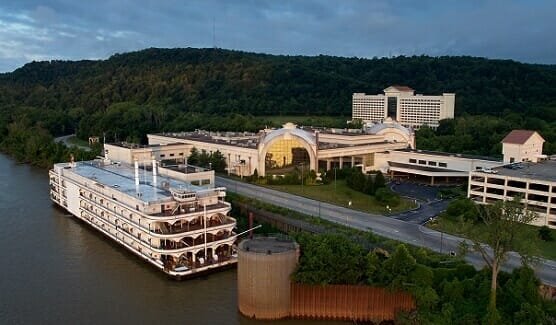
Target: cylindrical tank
<point>263,278</point>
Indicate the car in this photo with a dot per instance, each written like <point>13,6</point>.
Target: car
<point>489,170</point>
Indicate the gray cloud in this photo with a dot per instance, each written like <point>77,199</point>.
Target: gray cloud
<point>63,29</point>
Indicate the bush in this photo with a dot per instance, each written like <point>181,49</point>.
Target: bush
<point>387,197</point>
<point>545,233</point>
<point>462,208</point>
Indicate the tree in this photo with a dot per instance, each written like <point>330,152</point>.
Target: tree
<point>502,233</point>
<point>193,158</point>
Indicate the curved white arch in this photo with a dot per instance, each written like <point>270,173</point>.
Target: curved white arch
<point>304,135</point>
<point>307,140</point>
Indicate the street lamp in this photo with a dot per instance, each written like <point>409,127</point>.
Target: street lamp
<point>302,176</point>
<point>334,180</point>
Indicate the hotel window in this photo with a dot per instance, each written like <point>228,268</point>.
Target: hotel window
<point>442,164</point>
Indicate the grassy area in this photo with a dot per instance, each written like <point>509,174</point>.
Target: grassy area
<point>341,195</point>
<point>546,249</point>
<point>327,121</point>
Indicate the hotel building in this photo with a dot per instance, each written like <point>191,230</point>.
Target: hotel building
<point>401,104</point>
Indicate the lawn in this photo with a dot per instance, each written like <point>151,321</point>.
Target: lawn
<point>340,194</point>
<point>546,249</point>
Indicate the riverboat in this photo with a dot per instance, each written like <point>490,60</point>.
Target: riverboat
<point>181,229</point>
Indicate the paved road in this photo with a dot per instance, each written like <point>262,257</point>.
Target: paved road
<point>65,140</point>
<point>390,227</point>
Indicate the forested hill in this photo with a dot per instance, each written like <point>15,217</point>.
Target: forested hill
<point>132,94</point>
<point>223,81</point>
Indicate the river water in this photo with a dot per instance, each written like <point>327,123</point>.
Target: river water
<point>56,270</point>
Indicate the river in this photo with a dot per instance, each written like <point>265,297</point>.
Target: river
<point>57,270</point>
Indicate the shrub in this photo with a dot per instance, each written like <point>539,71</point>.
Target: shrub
<point>545,233</point>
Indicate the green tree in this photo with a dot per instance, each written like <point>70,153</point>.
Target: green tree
<point>502,232</point>
<point>193,158</point>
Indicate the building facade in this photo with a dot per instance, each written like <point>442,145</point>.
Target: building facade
<point>310,148</point>
<point>522,145</point>
<point>430,166</point>
<point>401,104</point>
<point>535,183</point>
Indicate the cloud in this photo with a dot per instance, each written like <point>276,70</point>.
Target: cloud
<point>92,29</point>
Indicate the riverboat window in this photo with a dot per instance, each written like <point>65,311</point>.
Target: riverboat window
<point>413,161</point>
<point>442,164</point>
<point>422,162</point>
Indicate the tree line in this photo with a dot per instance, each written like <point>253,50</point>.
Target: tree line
<point>447,290</point>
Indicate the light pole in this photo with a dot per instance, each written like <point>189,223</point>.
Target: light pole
<point>302,176</point>
<point>334,180</point>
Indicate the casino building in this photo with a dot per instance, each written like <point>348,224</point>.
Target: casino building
<point>307,147</point>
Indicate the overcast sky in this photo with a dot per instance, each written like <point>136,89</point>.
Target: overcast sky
<point>522,30</point>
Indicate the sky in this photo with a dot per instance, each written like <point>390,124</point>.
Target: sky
<point>521,30</point>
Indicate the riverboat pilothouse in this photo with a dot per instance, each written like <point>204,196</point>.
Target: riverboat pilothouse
<point>155,212</point>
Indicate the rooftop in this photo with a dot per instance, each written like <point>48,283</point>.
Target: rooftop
<point>400,88</point>
<point>129,145</point>
<point>518,136</point>
<point>268,245</point>
<point>447,154</point>
<point>544,171</point>
<point>121,177</point>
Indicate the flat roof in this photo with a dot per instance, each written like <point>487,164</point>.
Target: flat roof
<point>423,168</point>
<point>129,145</point>
<point>121,177</point>
<point>268,245</point>
<point>448,154</point>
<point>543,171</point>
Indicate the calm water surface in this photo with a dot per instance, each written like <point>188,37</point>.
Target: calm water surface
<point>56,270</point>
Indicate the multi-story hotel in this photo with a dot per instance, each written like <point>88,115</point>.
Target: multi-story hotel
<point>401,104</point>
<point>156,213</point>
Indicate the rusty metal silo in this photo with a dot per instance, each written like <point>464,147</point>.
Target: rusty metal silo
<point>264,268</point>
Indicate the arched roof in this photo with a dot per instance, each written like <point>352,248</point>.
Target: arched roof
<point>389,124</point>
<point>306,136</point>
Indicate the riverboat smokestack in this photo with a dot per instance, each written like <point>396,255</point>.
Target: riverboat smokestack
<point>136,173</point>
<point>155,171</point>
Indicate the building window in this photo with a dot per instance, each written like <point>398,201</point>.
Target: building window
<point>442,165</point>
<point>432,163</point>
<point>171,155</point>
<point>162,155</point>
<point>413,161</point>
<point>422,162</point>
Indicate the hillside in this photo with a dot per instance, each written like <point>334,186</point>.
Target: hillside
<point>223,81</point>
<point>152,90</point>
